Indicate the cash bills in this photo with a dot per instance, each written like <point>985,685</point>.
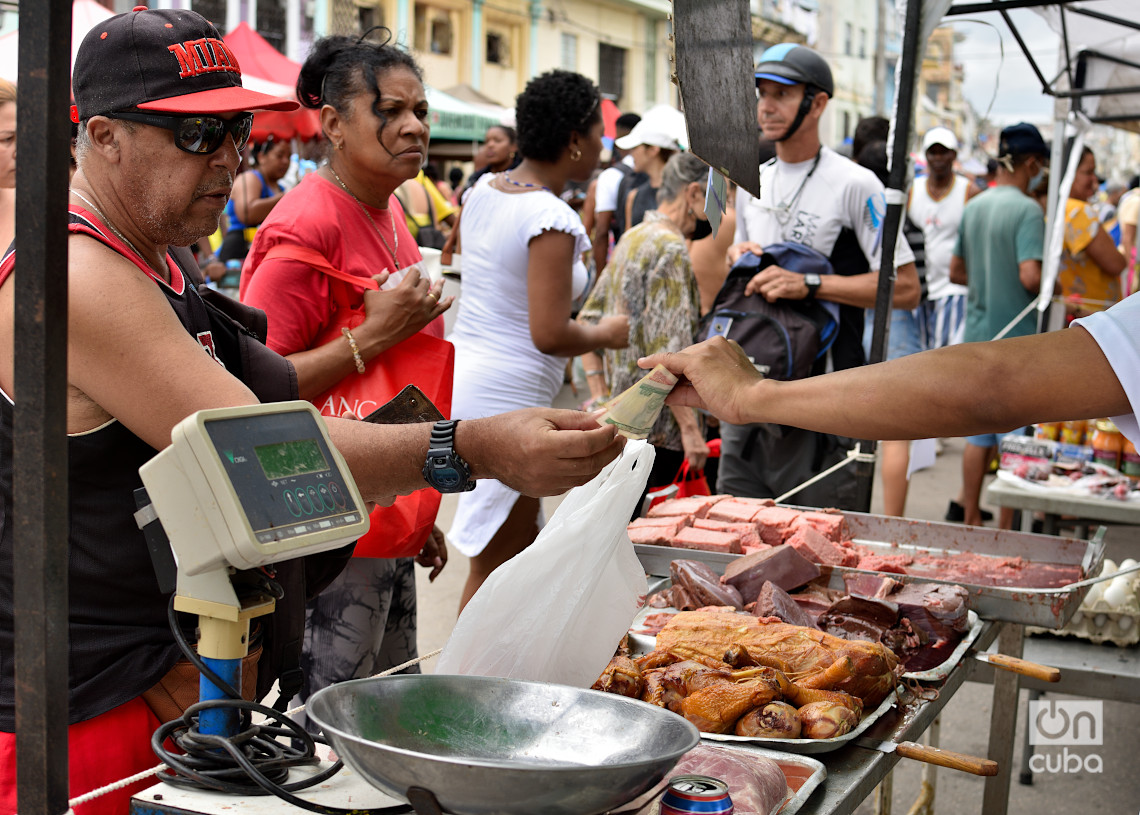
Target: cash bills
<point>636,409</point>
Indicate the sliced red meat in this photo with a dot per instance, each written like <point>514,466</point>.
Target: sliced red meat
<point>674,523</point>
<point>708,540</point>
<point>733,511</point>
<point>696,506</point>
<point>651,535</point>
<point>752,548</point>
<point>895,564</point>
<point>819,549</point>
<point>749,535</point>
<point>831,525</point>
<point>775,523</point>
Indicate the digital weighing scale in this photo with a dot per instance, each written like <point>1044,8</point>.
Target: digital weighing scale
<point>240,488</point>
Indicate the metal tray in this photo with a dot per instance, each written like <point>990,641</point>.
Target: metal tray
<point>943,669</point>
<point>903,536</point>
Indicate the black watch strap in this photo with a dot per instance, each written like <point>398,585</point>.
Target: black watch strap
<point>443,434</point>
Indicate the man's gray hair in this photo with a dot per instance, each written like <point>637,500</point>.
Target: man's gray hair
<point>83,141</point>
<point>680,171</point>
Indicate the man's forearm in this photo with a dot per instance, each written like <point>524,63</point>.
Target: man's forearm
<point>937,393</point>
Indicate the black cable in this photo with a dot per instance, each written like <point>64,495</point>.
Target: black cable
<point>251,762</point>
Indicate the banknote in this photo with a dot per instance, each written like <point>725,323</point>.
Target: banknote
<point>635,410</point>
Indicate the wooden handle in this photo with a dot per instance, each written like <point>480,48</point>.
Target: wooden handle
<point>1046,673</point>
<point>946,758</point>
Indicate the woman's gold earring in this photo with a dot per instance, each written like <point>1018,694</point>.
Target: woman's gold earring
<point>575,154</point>
<point>340,146</point>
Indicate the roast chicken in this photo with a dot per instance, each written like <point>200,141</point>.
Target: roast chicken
<point>714,668</point>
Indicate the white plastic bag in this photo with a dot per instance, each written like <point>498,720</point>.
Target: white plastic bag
<point>556,612</point>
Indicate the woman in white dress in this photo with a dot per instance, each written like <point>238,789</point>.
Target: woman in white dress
<point>522,269</point>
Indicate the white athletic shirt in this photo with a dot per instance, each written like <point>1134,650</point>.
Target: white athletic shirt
<point>606,190</point>
<point>1117,332</point>
<point>939,221</point>
<point>839,193</point>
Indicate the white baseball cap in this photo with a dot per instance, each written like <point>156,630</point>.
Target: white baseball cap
<point>661,126</point>
<point>940,135</point>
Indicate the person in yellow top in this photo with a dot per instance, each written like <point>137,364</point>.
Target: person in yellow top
<point>1090,263</point>
<point>1127,215</point>
<point>425,207</point>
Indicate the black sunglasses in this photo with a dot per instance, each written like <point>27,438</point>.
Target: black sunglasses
<point>200,135</point>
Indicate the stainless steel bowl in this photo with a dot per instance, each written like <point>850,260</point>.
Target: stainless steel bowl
<point>488,746</point>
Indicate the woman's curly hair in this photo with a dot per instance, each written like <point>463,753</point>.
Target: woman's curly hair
<point>339,68</point>
<point>553,106</point>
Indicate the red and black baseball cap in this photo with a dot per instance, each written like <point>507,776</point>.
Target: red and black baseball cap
<point>165,60</point>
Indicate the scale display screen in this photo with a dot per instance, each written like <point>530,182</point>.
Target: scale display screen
<point>284,475</point>
<point>291,458</point>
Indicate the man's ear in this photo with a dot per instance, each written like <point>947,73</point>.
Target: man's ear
<point>103,134</point>
<point>818,103</point>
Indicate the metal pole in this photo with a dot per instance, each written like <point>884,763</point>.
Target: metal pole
<point>40,520</point>
<point>896,186</point>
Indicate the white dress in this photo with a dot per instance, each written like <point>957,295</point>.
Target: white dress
<point>497,367</point>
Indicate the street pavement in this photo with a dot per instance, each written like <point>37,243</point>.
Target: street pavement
<point>965,720</point>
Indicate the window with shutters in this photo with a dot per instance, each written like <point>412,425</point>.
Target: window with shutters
<point>611,71</point>
<point>271,22</point>
<point>433,30</point>
<point>569,60</point>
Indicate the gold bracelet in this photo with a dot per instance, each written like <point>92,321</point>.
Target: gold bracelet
<point>359,360</point>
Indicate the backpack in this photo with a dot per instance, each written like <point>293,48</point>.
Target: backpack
<point>786,339</point>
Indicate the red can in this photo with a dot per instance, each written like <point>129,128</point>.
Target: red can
<point>688,794</point>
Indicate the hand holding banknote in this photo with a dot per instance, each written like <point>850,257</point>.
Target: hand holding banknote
<point>635,410</point>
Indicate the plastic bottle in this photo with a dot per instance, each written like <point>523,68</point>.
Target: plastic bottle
<point>1130,461</point>
<point>1073,431</point>
<point>1107,443</point>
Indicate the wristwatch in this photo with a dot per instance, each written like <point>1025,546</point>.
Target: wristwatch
<point>445,470</point>
<point>812,281</point>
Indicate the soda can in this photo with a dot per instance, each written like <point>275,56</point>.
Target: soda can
<point>688,794</point>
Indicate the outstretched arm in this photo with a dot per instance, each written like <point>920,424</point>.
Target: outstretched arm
<point>957,391</point>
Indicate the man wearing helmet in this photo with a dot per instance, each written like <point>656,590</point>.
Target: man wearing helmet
<point>810,195</point>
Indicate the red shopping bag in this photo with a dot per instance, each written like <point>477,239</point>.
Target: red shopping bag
<point>690,482</point>
<point>423,360</point>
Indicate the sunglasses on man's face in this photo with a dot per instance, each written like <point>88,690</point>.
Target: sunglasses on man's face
<point>200,135</point>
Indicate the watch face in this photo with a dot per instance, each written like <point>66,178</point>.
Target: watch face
<point>446,479</point>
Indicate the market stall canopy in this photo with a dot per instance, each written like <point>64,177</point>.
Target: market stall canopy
<point>455,119</point>
<point>465,93</point>
<point>85,15</point>
<point>267,70</point>
<point>1104,58</point>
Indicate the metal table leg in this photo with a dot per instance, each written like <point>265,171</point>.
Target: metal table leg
<point>1026,776</point>
<point>1003,725</point>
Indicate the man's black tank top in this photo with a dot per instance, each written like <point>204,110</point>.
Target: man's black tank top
<point>120,644</point>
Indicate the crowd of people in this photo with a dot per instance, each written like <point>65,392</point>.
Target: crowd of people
<point>564,256</point>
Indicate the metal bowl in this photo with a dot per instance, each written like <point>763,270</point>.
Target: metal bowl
<point>489,746</point>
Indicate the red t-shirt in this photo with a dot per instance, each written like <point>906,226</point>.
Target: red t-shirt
<point>320,215</point>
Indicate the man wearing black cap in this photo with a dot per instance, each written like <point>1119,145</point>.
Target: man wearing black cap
<point>998,254</point>
<point>812,196</point>
<point>162,119</point>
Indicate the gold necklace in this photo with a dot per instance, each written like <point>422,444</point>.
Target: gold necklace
<point>118,234</point>
<point>368,215</point>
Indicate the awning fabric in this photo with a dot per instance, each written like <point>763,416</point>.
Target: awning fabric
<point>267,70</point>
<point>85,15</point>
<point>455,119</point>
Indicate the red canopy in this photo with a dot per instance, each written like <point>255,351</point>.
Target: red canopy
<point>267,70</point>
<point>610,114</point>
